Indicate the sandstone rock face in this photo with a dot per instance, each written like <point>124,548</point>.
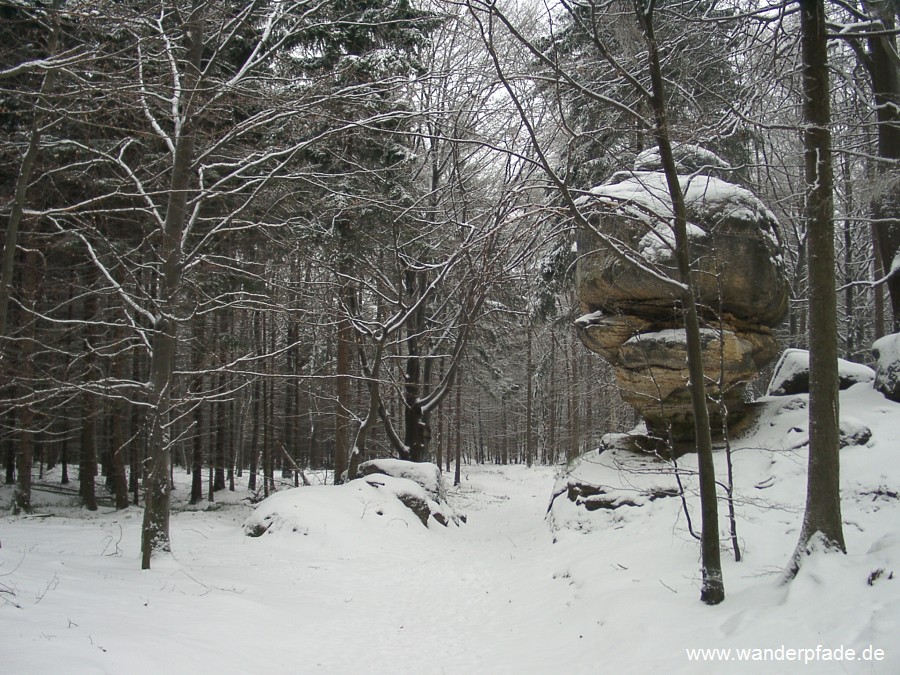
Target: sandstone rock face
<point>738,267</point>
<point>623,280</point>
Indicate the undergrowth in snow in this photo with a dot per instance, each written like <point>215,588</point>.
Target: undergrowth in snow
<point>351,581</point>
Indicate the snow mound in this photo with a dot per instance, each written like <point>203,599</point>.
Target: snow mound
<point>355,509</point>
<point>791,374</point>
<point>604,483</point>
<point>426,474</point>
<point>689,158</point>
<point>854,432</point>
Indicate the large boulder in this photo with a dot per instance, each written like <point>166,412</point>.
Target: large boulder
<point>886,351</point>
<point>738,268</point>
<point>624,281</point>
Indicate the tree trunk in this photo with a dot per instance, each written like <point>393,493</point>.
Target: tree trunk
<point>415,428</point>
<point>267,421</point>
<point>877,291</point>
<point>343,390</point>
<point>574,406</point>
<point>197,393</point>
<point>822,517</point>
<point>713,589</point>
<point>157,489</point>
<point>25,420</point>
<point>10,447</point>
<point>118,436</point>
<point>255,413</point>
<point>220,407</point>
<point>529,398</point>
<point>885,75</point>
<point>850,319</point>
<point>288,435</point>
<point>87,470</point>
<point>458,444</point>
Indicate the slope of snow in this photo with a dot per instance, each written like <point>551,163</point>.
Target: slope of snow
<point>353,592</point>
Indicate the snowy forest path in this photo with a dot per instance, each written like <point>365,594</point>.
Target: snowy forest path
<point>476,599</point>
<point>484,597</point>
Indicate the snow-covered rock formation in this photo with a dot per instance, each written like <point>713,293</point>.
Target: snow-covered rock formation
<point>624,282</point>
<point>886,351</point>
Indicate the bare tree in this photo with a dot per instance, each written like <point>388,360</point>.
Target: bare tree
<point>822,526</point>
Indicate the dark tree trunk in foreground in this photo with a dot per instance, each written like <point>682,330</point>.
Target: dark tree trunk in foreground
<point>822,517</point>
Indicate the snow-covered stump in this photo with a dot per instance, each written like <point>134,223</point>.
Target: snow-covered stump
<point>628,285</point>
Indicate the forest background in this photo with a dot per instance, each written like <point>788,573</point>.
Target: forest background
<point>271,236</point>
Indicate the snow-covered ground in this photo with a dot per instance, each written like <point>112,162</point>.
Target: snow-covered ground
<point>356,585</point>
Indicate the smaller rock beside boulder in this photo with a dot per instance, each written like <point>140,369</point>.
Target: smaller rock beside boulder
<point>432,502</point>
<point>854,432</point>
<point>426,474</point>
<point>612,486</point>
<point>791,375</point>
<point>886,351</point>
<point>411,495</point>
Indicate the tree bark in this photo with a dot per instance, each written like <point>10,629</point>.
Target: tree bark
<point>529,398</point>
<point>118,436</point>
<point>87,470</point>
<point>196,390</point>
<point>157,489</point>
<point>255,410</point>
<point>25,420</point>
<point>822,517</point>
<point>342,377</point>
<point>458,442</point>
<point>884,70</point>
<point>416,430</point>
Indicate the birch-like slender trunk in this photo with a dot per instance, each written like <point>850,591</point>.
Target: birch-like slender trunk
<point>712,588</point>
